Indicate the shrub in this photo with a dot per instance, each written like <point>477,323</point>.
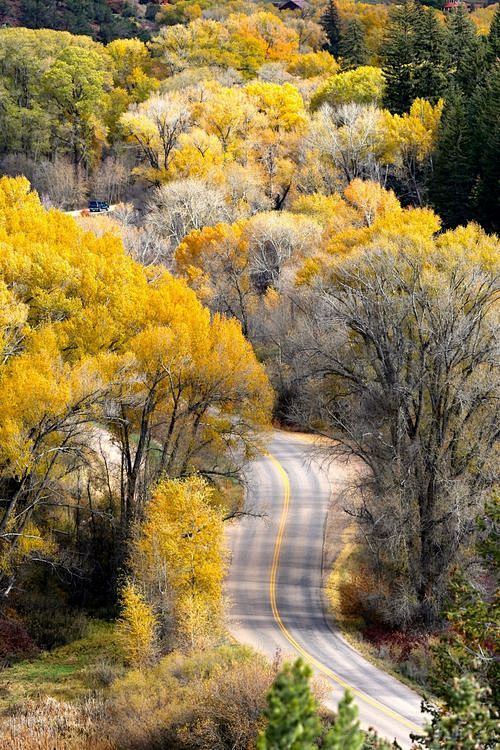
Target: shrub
<point>210,701</point>
<point>52,627</point>
<point>15,642</point>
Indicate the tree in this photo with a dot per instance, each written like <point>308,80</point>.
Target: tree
<point>346,733</point>
<point>494,38</point>
<point>350,136</point>
<point>485,127</point>
<point>233,267</point>
<point>424,423</point>
<point>184,205</point>
<point>352,48</point>
<point>466,722</point>
<point>467,647</point>
<point>363,85</point>
<point>155,127</point>
<point>291,713</point>
<point>431,73</point>
<point>330,22</point>
<point>454,168</point>
<point>99,352</point>
<point>466,52</point>
<point>178,557</point>
<point>74,87</point>
<point>400,54</point>
<point>136,628</point>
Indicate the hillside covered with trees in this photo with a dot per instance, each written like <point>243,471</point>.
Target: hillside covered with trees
<point>304,207</point>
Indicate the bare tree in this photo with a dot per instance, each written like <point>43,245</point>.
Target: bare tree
<point>183,205</point>
<point>349,135</point>
<point>60,184</point>
<point>110,180</point>
<point>400,365</point>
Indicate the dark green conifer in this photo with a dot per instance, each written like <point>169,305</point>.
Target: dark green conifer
<point>400,56</point>
<point>485,127</point>
<point>330,22</point>
<point>467,722</point>
<point>466,52</point>
<point>431,75</point>
<point>453,177</point>
<point>494,38</point>
<point>353,50</point>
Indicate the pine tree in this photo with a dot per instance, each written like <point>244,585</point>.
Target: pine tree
<point>431,71</point>
<point>330,22</point>
<point>352,49</point>
<point>401,55</point>
<point>467,722</point>
<point>346,733</point>
<point>486,129</point>
<point>291,713</point>
<point>494,38</point>
<point>466,50</point>
<point>453,176</point>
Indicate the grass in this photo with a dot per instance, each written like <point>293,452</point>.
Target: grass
<point>342,592</point>
<point>66,673</point>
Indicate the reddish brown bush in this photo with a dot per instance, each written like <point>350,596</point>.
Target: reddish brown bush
<point>15,641</point>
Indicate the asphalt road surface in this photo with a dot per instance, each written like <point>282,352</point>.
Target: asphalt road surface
<point>274,586</point>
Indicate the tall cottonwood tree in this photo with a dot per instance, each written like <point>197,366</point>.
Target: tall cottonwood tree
<point>401,362</point>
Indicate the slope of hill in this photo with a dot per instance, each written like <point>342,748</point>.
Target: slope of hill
<point>104,20</point>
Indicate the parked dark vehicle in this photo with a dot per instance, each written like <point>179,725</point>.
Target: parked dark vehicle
<point>96,206</point>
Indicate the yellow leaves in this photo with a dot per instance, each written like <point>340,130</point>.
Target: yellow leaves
<point>23,544</point>
<point>136,628</point>
<point>180,544</point>
<point>413,133</point>
<point>472,245</point>
<point>313,64</point>
<point>267,33</point>
<point>371,200</point>
<point>198,155</point>
<point>282,104</point>
<point>363,85</point>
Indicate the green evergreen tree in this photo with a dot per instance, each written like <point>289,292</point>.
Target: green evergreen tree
<point>453,176</point>
<point>430,78</point>
<point>330,22</point>
<point>467,722</point>
<point>400,56</point>
<point>352,49</point>
<point>486,129</point>
<point>345,733</point>
<point>291,713</point>
<point>466,51</point>
<point>494,38</point>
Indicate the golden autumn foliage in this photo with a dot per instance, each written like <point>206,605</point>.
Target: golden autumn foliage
<point>179,558</point>
<point>89,334</point>
<point>136,628</point>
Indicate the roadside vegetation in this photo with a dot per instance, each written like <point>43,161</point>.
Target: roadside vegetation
<point>305,204</point>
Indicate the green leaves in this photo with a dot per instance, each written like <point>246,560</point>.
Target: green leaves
<point>293,723</point>
<point>466,723</point>
<point>346,733</point>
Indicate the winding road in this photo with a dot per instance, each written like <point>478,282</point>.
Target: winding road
<point>274,585</point>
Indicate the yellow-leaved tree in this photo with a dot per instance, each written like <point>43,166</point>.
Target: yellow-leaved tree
<point>178,557</point>
<point>112,375</point>
<point>136,627</point>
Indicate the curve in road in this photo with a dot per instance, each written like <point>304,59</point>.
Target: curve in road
<point>275,585</point>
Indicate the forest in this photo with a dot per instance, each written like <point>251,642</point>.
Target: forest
<point>302,236</point>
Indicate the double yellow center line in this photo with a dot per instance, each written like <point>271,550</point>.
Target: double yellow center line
<point>276,614</point>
